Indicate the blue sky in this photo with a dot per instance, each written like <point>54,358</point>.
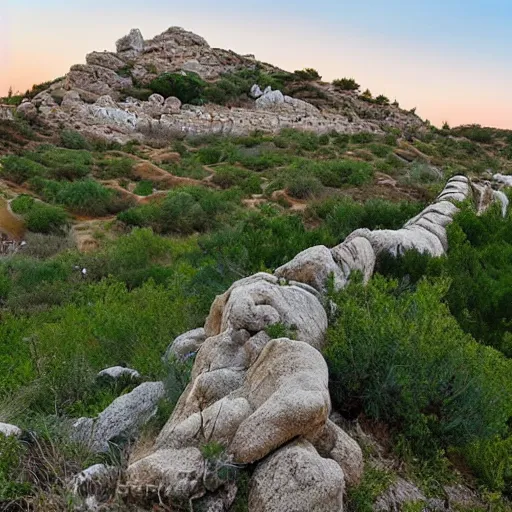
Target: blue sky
<point>450,59</point>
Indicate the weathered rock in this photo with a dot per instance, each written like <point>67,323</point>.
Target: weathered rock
<point>270,100</point>
<point>424,233</point>
<point>314,266</point>
<point>256,92</point>
<point>132,44</point>
<point>10,430</point>
<point>186,344</point>
<point>355,254</point>
<point>98,481</point>
<point>6,113</point>
<point>503,199</point>
<point>172,475</point>
<point>27,110</point>
<point>106,60</point>
<point>121,419</point>
<point>334,443</point>
<point>503,179</point>
<point>119,372</point>
<point>172,105</point>
<point>259,301</point>
<point>296,479</point>
<point>295,402</point>
<point>398,495</point>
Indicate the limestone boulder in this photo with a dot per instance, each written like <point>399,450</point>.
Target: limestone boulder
<point>256,92</point>
<point>270,99</point>
<point>297,479</point>
<point>119,372</point>
<point>172,105</point>
<point>131,45</point>
<point>105,60</point>
<point>503,179</point>
<point>334,443</point>
<point>356,254</point>
<point>254,303</point>
<point>27,110</point>
<point>96,483</point>
<point>121,420</point>
<point>501,198</point>
<point>288,389</point>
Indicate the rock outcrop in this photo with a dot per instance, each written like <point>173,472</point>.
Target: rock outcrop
<point>10,430</point>
<point>266,401</point>
<point>89,98</point>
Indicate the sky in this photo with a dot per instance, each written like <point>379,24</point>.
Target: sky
<point>451,59</point>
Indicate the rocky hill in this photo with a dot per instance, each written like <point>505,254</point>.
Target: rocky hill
<point>98,97</point>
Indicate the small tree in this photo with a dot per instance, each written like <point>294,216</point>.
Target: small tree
<point>446,126</point>
<point>10,93</point>
<point>367,95</point>
<point>346,84</point>
<point>381,100</point>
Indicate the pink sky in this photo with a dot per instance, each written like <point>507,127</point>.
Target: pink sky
<point>40,44</point>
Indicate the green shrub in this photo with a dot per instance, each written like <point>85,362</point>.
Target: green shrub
<point>73,140</point>
<point>401,357</point>
<point>22,204</point>
<point>346,84</point>
<point>12,482</point>
<point>143,188</point>
<point>20,169</point>
<point>229,176</point>
<point>307,74</point>
<point>113,168</point>
<point>139,93</point>
<point>382,100</point>
<point>187,88</point>
<point>362,138</point>
<point>304,187</point>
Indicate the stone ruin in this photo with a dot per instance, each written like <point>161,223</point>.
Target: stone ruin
<point>88,99</point>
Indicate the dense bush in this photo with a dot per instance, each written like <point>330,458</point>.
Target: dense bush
<point>228,176</point>
<point>401,357</point>
<point>73,140</point>
<point>188,88</point>
<point>143,188</point>
<point>308,74</point>
<point>40,217</point>
<point>20,169</point>
<point>304,187</point>
<point>183,211</point>
<point>112,168</point>
<point>346,84</point>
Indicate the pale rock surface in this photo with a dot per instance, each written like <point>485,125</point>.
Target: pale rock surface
<point>131,45</point>
<point>27,110</point>
<point>503,179</point>
<point>313,266</point>
<point>334,443</point>
<point>397,496</point>
<point>119,372</point>
<point>10,430</point>
<point>6,113</point>
<point>503,199</point>
<point>121,419</point>
<point>256,92</point>
<point>186,344</point>
<point>105,60</point>
<point>98,481</point>
<point>296,479</point>
<point>256,302</point>
<point>355,254</point>
<point>270,100</point>
<point>170,474</point>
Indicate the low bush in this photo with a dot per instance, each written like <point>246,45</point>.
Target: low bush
<point>40,217</point>
<point>73,140</point>
<point>307,74</point>
<point>20,169</point>
<point>143,188</point>
<point>113,168</point>
<point>188,88</point>
<point>229,176</point>
<point>304,187</point>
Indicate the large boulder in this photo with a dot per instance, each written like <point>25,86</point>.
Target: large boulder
<point>131,45</point>
<point>106,60</point>
<point>257,302</point>
<point>121,420</point>
<point>297,479</point>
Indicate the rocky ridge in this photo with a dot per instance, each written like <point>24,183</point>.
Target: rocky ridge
<point>89,97</point>
<point>266,401</point>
